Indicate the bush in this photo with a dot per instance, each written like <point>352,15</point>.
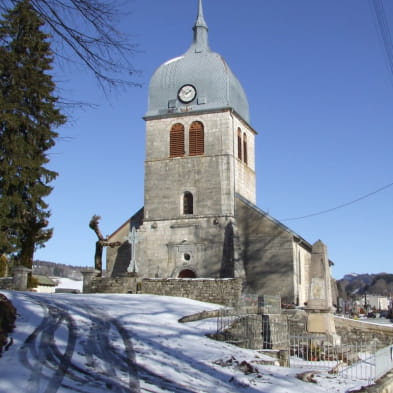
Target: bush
<point>7,320</point>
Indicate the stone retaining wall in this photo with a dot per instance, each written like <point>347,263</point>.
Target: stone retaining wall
<point>221,291</point>
<point>356,331</point>
<point>349,330</point>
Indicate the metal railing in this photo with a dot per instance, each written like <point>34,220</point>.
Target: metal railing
<point>358,361</point>
<point>383,361</point>
<point>354,361</point>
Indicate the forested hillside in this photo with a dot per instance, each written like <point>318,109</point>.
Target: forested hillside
<point>359,284</point>
<point>57,269</point>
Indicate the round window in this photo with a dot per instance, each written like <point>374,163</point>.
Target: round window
<point>187,257</point>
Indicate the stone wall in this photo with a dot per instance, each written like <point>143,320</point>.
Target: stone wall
<point>357,331</point>
<point>245,332</point>
<point>18,281</point>
<point>350,330</point>
<point>110,285</point>
<point>221,291</point>
<point>6,283</point>
<point>267,252</point>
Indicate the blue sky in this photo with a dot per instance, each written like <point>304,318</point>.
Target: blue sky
<point>321,98</point>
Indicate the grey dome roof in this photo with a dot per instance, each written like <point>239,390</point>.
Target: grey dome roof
<point>216,85</point>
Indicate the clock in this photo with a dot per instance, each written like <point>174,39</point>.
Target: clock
<point>186,93</point>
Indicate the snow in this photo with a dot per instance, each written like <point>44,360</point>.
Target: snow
<point>68,283</point>
<point>134,343</point>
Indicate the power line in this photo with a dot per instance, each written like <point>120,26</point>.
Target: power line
<point>339,206</point>
<point>385,35</point>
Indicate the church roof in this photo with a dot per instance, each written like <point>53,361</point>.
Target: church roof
<point>216,86</point>
<point>266,215</point>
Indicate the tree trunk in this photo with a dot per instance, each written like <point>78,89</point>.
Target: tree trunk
<point>26,259</point>
<point>98,257</point>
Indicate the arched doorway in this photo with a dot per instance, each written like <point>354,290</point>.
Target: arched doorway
<point>187,273</point>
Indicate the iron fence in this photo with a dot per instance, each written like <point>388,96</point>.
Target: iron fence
<point>359,360</point>
<point>354,361</point>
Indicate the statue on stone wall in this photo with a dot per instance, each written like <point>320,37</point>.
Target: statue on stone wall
<point>100,243</point>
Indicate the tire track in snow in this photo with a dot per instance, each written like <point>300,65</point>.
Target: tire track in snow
<point>41,344</point>
<point>98,346</point>
<point>41,354</point>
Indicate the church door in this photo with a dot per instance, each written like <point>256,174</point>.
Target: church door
<point>187,273</point>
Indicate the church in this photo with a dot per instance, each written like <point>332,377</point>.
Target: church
<point>200,218</point>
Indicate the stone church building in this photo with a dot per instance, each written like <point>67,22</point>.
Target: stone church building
<point>200,218</point>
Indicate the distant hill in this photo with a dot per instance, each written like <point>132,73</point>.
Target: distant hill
<point>46,268</point>
<point>359,284</point>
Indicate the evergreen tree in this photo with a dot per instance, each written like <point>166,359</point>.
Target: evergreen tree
<point>28,115</point>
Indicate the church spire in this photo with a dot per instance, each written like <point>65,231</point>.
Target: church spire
<point>200,31</point>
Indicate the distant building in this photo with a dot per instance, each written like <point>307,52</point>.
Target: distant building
<point>378,302</point>
<point>44,284</point>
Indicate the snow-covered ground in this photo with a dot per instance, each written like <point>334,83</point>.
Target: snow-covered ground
<point>134,343</point>
<point>68,283</point>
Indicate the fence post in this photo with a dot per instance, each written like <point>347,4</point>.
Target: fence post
<point>283,358</point>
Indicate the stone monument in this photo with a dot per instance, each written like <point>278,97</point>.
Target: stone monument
<point>319,308</point>
<point>133,240</point>
<point>20,277</point>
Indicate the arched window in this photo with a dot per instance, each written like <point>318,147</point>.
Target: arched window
<point>245,156</point>
<point>176,141</point>
<point>188,203</point>
<point>197,139</point>
<point>239,143</point>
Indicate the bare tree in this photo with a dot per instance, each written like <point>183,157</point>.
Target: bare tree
<point>88,29</point>
<point>100,243</point>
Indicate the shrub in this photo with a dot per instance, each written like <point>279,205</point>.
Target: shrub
<point>7,320</point>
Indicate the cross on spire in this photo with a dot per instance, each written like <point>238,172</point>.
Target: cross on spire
<point>200,22</point>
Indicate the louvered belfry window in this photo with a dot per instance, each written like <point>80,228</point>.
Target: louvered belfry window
<point>176,144</point>
<point>197,139</point>
<point>239,143</point>
<point>245,156</point>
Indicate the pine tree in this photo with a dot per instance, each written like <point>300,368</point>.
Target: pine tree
<point>28,117</point>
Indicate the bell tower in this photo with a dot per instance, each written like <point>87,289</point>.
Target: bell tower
<point>199,155</point>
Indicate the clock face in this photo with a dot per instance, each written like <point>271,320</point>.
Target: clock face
<point>186,93</point>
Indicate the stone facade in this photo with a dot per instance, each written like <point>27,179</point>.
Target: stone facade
<point>170,240</point>
<point>252,245</point>
<point>276,260</point>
